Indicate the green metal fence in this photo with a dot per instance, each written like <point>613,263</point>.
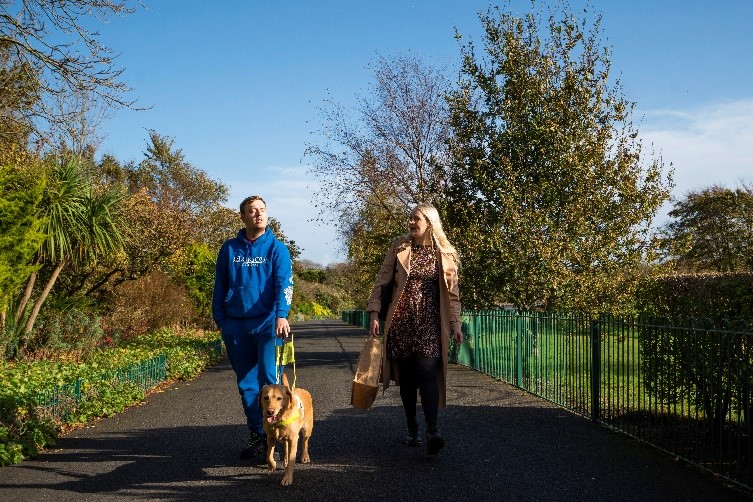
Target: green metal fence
<point>61,400</point>
<point>356,318</point>
<point>685,388</point>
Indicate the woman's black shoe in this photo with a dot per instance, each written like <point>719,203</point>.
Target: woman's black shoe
<point>434,444</point>
<point>412,438</point>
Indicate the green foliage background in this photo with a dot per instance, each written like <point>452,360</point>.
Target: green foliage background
<point>550,201</point>
<point>27,426</point>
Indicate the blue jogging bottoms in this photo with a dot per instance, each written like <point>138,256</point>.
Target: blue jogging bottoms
<point>251,350</point>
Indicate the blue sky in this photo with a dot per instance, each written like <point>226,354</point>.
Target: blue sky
<point>237,84</point>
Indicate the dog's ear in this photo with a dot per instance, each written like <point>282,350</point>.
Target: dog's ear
<point>261,393</point>
<point>285,381</point>
<point>289,394</point>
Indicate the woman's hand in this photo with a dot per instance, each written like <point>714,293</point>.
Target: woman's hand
<point>374,328</point>
<point>374,325</point>
<point>457,336</point>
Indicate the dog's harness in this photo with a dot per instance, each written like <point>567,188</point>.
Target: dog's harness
<point>294,416</point>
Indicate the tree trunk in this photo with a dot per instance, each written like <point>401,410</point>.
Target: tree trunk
<point>27,293</point>
<point>42,297</point>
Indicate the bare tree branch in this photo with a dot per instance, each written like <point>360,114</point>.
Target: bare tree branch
<point>393,151</point>
<point>51,43</point>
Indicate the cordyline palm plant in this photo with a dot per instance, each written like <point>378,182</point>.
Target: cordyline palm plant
<point>81,225</point>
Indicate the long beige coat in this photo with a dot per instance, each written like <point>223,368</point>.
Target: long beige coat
<point>449,304</point>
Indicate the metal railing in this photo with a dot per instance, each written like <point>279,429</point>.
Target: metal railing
<point>685,388</point>
<point>60,401</point>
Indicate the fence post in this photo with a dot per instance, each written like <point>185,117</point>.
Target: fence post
<point>595,370</point>
<point>77,391</point>
<point>476,331</point>
<point>519,350</point>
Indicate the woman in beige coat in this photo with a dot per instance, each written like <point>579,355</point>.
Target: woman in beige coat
<point>423,314</point>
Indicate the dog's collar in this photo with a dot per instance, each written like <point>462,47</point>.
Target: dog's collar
<point>286,422</point>
<point>292,418</point>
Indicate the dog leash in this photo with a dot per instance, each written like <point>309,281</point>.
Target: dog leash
<point>285,354</point>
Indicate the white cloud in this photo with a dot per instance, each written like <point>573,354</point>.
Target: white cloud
<point>287,192</point>
<point>708,145</point>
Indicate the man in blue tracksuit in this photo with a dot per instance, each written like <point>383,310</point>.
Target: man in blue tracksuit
<point>253,290</point>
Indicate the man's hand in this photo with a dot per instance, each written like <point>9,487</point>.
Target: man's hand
<point>283,328</point>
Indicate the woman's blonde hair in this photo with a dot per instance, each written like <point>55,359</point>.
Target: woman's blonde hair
<point>438,237</point>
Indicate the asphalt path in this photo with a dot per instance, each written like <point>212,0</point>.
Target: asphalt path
<point>182,444</point>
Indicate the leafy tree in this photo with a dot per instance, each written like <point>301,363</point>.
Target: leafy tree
<point>194,267</point>
<point>549,202</point>
<point>217,225</point>
<point>293,248</point>
<point>339,276</point>
<point>173,181</point>
<point>170,204</point>
<point>20,230</point>
<point>80,224</point>
<point>370,230</point>
<point>392,153</point>
<point>712,231</point>
<point>152,234</point>
<point>172,215</point>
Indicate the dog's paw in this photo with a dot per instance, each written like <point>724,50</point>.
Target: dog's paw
<point>287,479</point>
<point>305,459</point>
<point>271,467</point>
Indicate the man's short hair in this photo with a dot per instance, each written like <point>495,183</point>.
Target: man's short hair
<point>251,199</point>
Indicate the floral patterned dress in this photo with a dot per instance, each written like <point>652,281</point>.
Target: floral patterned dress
<point>415,329</point>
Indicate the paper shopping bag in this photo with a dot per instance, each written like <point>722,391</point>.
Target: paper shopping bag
<point>366,382</point>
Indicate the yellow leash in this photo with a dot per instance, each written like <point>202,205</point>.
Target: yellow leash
<point>284,355</point>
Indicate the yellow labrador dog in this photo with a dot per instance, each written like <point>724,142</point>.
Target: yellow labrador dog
<point>287,413</point>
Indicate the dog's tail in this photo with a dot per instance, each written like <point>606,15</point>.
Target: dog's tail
<point>285,381</point>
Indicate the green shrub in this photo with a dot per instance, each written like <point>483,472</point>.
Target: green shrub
<point>312,275</point>
<point>194,267</point>
<point>24,430</point>
<point>9,340</point>
<point>716,296</point>
<point>27,421</point>
<point>74,332</point>
<point>109,398</point>
<point>706,368</point>
<point>312,299</point>
<point>10,452</point>
<point>313,309</point>
<point>148,303</point>
<point>187,353</point>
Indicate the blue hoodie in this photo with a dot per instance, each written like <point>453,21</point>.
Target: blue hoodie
<point>253,280</point>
